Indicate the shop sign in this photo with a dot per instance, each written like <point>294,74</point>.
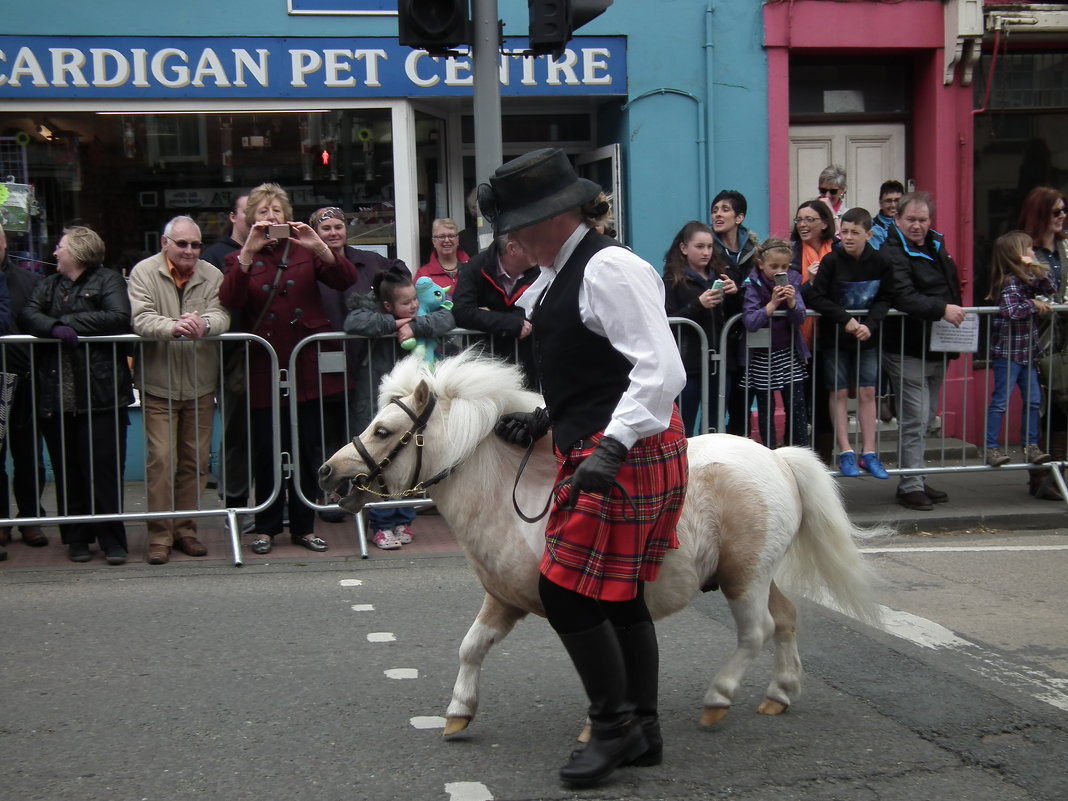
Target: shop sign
<point>40,67</point>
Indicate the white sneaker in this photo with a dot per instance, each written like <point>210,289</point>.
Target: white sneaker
<point>385,540</point>
<point>402,533</point>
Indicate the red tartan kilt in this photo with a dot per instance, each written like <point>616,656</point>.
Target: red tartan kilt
<point>604,546</point>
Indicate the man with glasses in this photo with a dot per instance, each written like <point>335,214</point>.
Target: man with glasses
<point>889,195</point>
<point>174,298</point>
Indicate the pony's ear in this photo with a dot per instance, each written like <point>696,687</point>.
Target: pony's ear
<point>421,394</point>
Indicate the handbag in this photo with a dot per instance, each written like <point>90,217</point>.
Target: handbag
<point>235,372</point>
<point>1053,373</point>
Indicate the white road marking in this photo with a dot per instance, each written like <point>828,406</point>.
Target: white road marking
<point>363,607</point>
<point>468,791</point>
<point>350,582</point>
<point>427,722</point>
<point>402,673</point>
<point>926,633</point>
<point>966,548</point>
<point>381,636</point>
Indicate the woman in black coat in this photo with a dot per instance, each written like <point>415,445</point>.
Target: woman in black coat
<point>695,288</point>
<point>83,390</point>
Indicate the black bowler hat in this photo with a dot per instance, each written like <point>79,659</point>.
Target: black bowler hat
<point>532,188</point>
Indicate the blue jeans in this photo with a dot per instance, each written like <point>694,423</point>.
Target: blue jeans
<point>390,517</point>
<point>1006,375</point>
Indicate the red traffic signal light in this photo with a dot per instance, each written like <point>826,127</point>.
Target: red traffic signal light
<point>553,22</point>
<point>433,25</point>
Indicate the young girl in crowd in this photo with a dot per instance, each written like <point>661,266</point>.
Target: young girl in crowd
<point>390,313</point>
<point>779,364</point>
<point>694,289</point>
<point>1022,289</point>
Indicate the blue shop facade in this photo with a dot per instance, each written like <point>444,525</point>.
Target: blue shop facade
<point>124,115</point>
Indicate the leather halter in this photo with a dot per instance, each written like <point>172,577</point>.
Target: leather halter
<point>414,434</point>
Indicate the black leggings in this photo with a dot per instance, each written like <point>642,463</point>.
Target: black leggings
<point>569,612</point>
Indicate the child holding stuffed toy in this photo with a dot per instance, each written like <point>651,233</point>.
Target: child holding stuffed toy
<point>390,315</point>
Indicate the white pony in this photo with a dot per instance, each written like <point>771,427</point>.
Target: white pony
<point>749,512</point>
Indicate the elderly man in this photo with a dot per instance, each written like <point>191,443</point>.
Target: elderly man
<point>23,435</point>
<point>174,297</point>
<point>926,288</point>
<point>486,296</point>
<point>610,370</point>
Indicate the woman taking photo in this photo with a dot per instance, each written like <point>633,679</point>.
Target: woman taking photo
<point>274,282</point>
<point>83,390</point>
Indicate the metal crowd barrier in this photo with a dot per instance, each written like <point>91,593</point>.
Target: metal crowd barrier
<point>962,402</point>
<point>29,472</point>
<point>956,418</point>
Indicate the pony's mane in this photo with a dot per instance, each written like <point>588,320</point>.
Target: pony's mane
<point>477,389</point>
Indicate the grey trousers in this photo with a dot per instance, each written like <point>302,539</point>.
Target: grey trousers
<point>915,382</point>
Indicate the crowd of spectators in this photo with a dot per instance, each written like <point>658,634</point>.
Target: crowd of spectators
<point>284,280</point>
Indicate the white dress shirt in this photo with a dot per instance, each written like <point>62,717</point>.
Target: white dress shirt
<point>622,299</point>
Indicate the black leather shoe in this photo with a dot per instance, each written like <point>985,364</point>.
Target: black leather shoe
<point>115,556</point>
<point>936,496</point>
<point>916,499</point>
<point>78,552</point>
<point>606,751</point>
<point>311,542</point>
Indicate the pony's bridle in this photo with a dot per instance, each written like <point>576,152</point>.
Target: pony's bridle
<point>362,481</point>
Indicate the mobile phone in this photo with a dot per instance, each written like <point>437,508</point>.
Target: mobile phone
<point>717,285</point>
<point>781,279</point>
<point>278,231</point>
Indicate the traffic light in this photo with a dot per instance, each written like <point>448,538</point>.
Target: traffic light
<point>436,26</point>
<point>553,22</point>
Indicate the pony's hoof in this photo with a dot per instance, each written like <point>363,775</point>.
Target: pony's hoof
<point>456,724</point>
<point>770,707</point>
<point>713,715</point>
<point>585,734</point>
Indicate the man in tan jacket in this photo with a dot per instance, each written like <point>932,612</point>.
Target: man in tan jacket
<point>174,297</point>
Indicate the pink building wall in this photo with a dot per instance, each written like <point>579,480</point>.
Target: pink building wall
<point>940,142</point>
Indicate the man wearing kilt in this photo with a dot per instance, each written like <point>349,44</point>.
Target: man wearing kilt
<point>610,370</point>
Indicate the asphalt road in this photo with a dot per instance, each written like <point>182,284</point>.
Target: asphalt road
<point>326,681</point>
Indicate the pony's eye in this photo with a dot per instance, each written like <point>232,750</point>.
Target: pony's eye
<point>381,432</point>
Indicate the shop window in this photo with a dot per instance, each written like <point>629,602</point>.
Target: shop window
<point>126,175</point>
<point>545,129</point>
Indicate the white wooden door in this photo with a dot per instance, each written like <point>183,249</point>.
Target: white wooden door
<point>870,154</point>
<point>605,167</point>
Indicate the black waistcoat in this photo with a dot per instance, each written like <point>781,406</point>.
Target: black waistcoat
<point>582,375</point>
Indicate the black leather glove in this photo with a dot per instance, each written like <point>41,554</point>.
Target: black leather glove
<point>597,472</point>
<point>67,335</point>
<point>523,428</point>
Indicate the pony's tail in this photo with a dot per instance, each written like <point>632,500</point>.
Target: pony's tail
<point>823,561</point>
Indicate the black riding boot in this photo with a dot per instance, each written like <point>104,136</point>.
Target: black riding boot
<point>616,738</point>
<point>641,657</point>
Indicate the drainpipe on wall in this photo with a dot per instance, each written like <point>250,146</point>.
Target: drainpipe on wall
<point>708,189</point>
<point>701,133</point>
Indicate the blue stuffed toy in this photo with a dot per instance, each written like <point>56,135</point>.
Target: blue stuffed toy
<point>431,298</point>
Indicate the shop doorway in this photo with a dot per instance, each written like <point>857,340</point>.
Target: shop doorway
<point>870,152</point>
<point>603,166</point>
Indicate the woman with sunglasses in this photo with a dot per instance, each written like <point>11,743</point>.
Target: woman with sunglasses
<point>1042,217</point>
<point>273,280</point>
<point>445,260</point>
<point>832,182</point>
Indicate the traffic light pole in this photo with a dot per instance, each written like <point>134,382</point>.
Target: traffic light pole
<point>485,53</point>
